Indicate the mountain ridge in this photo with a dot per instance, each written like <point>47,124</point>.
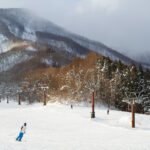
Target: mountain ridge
<point>25,25</point>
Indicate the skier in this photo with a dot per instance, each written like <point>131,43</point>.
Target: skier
<point>22,132</point>
<point>71,106</point>
<point>107,111</point>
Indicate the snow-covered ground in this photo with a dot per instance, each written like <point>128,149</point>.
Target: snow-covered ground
<point>57,127</point>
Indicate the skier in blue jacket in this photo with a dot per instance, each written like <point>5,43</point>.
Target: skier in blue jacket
<point>22,132</point>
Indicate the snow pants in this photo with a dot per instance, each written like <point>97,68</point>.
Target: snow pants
<point>20,136</point>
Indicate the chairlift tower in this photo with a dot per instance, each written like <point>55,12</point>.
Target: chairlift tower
<point>93,104</point>
<point>44,88</point>
<point>19,97</point>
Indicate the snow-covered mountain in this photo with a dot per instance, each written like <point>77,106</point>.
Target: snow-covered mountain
<point>29,42</point>
<point>22,24</point>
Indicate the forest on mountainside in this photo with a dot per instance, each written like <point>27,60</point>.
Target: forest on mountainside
<point>115,85</point>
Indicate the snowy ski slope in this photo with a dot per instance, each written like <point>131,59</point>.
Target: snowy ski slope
<point>57,127</point>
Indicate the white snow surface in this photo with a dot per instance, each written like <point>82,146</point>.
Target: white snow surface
<point>3,43</point>
<point>58,127</point>
<point>10,61</point>
<point>31,48</point>
<point>47,61</point>
<point>29,34</point>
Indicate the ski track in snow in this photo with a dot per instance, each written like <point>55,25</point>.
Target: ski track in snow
<point>58,127</point>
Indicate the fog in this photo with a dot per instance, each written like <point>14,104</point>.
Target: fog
<point>121,24</point>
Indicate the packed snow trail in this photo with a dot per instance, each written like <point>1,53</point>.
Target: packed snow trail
<point>58,127</point>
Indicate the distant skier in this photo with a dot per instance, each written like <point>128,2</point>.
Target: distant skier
<point>22,132</point>
<point>71,106</point>
<point>107,111</point>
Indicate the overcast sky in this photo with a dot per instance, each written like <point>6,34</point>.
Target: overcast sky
<point>121,24</point>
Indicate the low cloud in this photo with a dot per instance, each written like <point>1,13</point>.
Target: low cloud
<point>87,6</point>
